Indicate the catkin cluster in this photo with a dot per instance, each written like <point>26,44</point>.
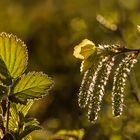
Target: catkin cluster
<point>95,79</point>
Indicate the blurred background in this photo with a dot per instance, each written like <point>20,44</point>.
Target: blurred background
<point>51,29</point>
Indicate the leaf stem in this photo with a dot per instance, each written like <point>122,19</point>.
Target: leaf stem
<point>8,109</point>
<point>7,117</point>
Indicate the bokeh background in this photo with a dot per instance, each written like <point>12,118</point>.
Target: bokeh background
<point>51,29</point>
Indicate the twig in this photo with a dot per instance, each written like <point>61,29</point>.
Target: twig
<point>8,110</point>
<point>134,86</point>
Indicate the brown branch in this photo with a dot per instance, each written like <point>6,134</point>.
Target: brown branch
<point>134,86</point>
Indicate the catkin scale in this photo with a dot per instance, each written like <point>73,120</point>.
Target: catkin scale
<point>119,83</point>
<point>98,90</point>
<point>84,87</point>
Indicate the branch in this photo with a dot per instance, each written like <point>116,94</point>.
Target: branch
<point>134,86</point>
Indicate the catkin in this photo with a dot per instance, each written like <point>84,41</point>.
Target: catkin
<point>97,88</point>
<point>119,83</point>
<point>84,87</point>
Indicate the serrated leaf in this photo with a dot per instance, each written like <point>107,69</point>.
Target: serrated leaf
<point>13,56</point>
<point>84,49</point>
<point>15,109</point>
<point>31,86</point>
<point>14,118</point>
<point>13,125</point>
<point>24,108</point>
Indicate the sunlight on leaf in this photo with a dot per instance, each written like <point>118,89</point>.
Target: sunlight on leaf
<point>13,56</point>
<point>84,49</point>
<point>31,86</point>
<point>24,108</point>
<point>28,130</point>
<point>14,110</point>
<point>87,51</point>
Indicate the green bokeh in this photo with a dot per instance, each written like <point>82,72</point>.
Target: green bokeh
<point>51,29</point>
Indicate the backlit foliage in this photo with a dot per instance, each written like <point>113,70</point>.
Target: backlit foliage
<point>18,90</point>
<point>96,67</point>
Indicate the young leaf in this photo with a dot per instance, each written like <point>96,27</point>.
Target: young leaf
<point>86,51</point>
<point>15,110</point>
<point>31,86</point>
<point>28,137</point>
<point>14,118</point>
<point>119,82</point>
<point>13,56</point>
<point>28,130</point>
<point>24,108</point>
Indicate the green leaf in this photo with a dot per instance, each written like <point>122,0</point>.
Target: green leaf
<point>24,108</point>
<point>28,137</point>
<point>31,86</point>
<point>30,121</point>
<point>28,130</point>
<point>89,62</point>
<point>13,56</point>
<point>84,49</point>
<point>87,51</point>
<point>15,109</point>
<point>13,125</point>
<point>14,118</point>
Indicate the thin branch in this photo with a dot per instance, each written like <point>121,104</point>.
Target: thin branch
<point>8,110</point>
<point>134,86</point>
<point>7,117</point>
